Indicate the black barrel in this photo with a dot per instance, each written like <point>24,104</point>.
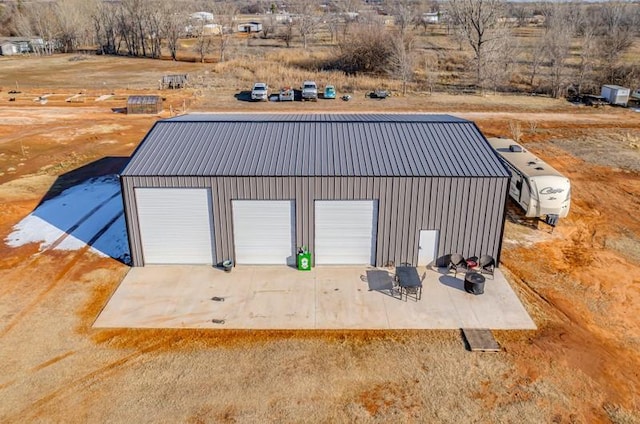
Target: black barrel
<point>474,282</point>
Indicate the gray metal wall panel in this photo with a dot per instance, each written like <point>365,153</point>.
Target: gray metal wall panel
<point>413,216</point>
<point>467,212</point>
<point>131,218</point>
<point>474,222</point>
<point>465,196</point>
<point>404,211</point>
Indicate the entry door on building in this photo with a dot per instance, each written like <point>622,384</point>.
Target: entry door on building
<point>427,247</point>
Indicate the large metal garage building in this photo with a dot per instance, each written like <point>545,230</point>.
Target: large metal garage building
<point>374,189</point>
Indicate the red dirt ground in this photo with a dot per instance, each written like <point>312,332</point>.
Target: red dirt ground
<point>580,283</point>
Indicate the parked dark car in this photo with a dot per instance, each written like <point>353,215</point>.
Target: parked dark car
<point>379,94</point>
<point>589,100</point>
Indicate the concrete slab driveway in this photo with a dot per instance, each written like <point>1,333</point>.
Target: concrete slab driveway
<point>278,297</point>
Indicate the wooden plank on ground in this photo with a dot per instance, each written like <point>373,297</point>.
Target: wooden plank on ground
<point>75,98</point>
<point>104,97</point>
<point>480,340</point>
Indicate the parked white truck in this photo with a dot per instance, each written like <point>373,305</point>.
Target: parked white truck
<point>260,91</point>
<point>309,91</point>
<point>538,188</point>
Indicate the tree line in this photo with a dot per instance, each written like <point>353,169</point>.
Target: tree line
<point>577,47</point>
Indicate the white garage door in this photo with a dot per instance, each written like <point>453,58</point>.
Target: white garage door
<point>345,231</point>
<point>264,231</point>
<point>175,225</point>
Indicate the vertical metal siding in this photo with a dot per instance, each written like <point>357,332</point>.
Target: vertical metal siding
<point>468,212</point>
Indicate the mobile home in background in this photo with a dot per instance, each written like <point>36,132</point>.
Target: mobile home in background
<point>539,189</point>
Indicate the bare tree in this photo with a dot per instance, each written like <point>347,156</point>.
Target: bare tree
<point>39,19</point>
<point>367,49</point>
<point>8,15</point>
<point>500,56</point>
<point>73,17</point>
<point>420,18</point>
<point>174,27</point>
<point>516,130</point>
<point>286,31</point>
<point>268,26</point>
<point>615,37</point>
<point>347,15</point>
<point>134,15</point>
<point>536,59</point>
<point>105,25</point>
<point>225,16</point>
<point>404,12</point>
<point>333,22</point>
<point>156,18</point>
<point>431,68</point>
<point>203,30</point>
<point>522,13</point>
<point>587,58</point>
<point>401,60</point>
<point>556,41</point>
<point>306,20</point>
<point>477,21</point>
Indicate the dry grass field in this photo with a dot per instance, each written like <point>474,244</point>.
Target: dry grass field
<point>580,283</point>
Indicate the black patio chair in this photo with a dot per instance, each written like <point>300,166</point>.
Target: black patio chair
<point>487,264</point>
<point>457,262</point>
<point>413,292</point>
<point>395,287</point>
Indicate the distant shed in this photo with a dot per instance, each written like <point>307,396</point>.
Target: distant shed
<point>615,94</point>
<point>174,81</point>
<point>8,48</point>
<point>250,27</point>
<point>144,104</point>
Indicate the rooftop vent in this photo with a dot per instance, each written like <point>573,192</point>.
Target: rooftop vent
<point>539,168</point>
<point>515,148</point>
<point>531,163</point>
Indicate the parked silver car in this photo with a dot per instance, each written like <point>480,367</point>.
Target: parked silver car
<point>309,91</point>
<point>260,91</point>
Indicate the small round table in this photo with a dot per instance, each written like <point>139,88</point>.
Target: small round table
<point>474,282</point>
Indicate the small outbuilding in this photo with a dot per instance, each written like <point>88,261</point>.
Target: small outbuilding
<point>430,17</point>
<point>250,27</point>
<point>370,189</point>
<point>17,45</point>
<point>144,104</point>
<point>174,81</point>
<point>615,94</point>
<point>7,48</point>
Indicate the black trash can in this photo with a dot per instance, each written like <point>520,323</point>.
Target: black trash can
<point>474,282</point>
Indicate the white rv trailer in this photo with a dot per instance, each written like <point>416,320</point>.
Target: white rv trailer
<point>537,187</point>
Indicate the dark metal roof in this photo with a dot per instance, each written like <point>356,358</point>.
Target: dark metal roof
<point>315,145</point>
<point>143,100</point>
<point>314,117</point>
